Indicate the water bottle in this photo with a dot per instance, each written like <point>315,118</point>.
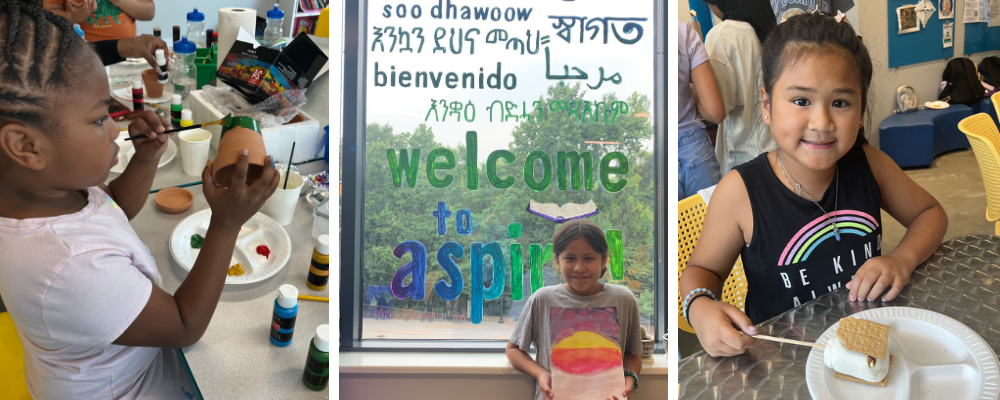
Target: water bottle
<point>321,219</point>
<point>272,33</point>
<point>196,28</point>
<point>184,73</point>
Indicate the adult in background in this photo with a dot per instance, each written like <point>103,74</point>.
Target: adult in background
<point>103,19</point>
<point>734,48</point>
<point>696,90</point>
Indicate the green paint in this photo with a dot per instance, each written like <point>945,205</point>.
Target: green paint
<point>230,122</point>
<point>491,169</point>
<point>574,161</point>
<point>471,161</point>
<point>538,256</point>
<point>448,164</point>
<point>607,169</point>
<point>516,269</point>
<point>406,164</point>
<point>616,253</point>
<point>514,230</point>
<point>529,171</point>
<point>197,240</point>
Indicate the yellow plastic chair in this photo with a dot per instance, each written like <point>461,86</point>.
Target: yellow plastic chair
<point>985,141</point>
<point>996,99</point>
<point>11,361</point>
<point>690,217</point>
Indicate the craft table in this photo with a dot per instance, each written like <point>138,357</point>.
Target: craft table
<point>235,358</point>
<point>961,280</point>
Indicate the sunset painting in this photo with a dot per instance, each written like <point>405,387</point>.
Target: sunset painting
<point>586,353</point>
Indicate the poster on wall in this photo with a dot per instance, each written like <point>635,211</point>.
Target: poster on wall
<point>949,32</point>
<point>925,10</point>
<point>994,14</point>
<point>946,9</point>
<point>907,19</point>
<point>976,11</point>
<point>488,124</point>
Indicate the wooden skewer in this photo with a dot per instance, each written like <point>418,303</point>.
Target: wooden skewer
<point>783,340</point>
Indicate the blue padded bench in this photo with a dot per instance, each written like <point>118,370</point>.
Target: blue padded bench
<point>914,139</point>
<point>986,106</point>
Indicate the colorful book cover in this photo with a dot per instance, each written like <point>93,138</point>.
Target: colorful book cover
<point>586,353</point>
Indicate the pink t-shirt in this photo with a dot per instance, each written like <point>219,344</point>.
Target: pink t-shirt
<point>72,285</point>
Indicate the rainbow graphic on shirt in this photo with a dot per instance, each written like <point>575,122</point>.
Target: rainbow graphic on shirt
<point>821,229</point>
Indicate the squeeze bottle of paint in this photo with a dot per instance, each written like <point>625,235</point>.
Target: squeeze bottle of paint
<point>156,31</point>
<point>209,35</point>
<point>186,118</point>
<point>272,33</point>
<point>286,306</point>
<point>161,63</point>
<point>317,373</point>
<point>177,33</point>
<point>196,27</point>
<point>319,269</point>
<point>137,100</point>
<point>175,110</point>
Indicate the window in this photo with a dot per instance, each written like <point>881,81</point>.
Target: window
<point>473,120</point>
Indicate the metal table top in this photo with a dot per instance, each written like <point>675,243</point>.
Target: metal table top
<point>961,280</point>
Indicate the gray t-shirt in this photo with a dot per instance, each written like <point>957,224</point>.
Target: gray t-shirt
<point>533,325</point>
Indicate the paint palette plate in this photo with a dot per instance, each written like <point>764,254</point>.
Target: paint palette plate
<point>165,159</point>
<point>259,230</point>
<point>126,94</point>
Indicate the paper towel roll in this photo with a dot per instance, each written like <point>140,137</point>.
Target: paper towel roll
<point>231,19</point>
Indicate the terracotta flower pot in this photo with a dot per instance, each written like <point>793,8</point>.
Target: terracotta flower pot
<point>234,139</point>
<point>154,88</point>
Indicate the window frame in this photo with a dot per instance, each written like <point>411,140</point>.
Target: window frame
<point>352,200</point>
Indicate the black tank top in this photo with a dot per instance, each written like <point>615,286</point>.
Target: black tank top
<point>794,255</point>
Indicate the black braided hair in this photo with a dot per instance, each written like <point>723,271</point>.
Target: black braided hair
<point>38,49</point>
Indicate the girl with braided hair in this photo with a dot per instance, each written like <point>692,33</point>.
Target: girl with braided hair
<point>82,288</point>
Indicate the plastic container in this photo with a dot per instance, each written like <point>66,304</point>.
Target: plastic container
<point>186,118</point>
<point>319,267</point>
<point>286,307</point>
<point>206,70</point>
<point>317,372</point>
<point>184,72</point>
<point>161,62</point>
<point>321,219</point>
<point>272,33</point>
<point>196,27</point>
<point>175,110</point>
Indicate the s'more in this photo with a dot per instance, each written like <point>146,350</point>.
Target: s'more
<point>860,352</point>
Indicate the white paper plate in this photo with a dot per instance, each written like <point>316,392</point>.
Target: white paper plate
<point>937,105</point>
<point>167,157</point>
<point>259,230</point>
<point>934,357</point>
<point>126,94</point>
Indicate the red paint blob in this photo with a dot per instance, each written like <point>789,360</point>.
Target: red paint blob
<point>263,250</point>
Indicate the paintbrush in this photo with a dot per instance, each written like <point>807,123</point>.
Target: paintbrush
<point>288,170</point>
<point>224,121</point>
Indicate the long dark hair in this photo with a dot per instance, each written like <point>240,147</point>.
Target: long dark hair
<point>807,34</point>
<point>580,228</point>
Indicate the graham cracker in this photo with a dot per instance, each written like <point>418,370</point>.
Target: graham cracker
<point>864,336</point>
<point>884,382</point>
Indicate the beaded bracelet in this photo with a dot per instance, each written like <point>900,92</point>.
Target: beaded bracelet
<point>694,294</point>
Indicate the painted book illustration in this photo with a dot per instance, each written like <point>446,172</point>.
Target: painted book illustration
<point>567,212</point>
<point>586,353</point>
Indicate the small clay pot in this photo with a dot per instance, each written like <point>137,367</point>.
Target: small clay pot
<point>174,200</point>
<point>231,144</point>
<point>154,88</point>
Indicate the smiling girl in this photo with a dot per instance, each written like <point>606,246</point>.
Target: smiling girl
<point>580,251</point>
<point>806,218</point>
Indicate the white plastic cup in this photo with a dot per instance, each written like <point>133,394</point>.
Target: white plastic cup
<point>194,145</point>
<point>282,204</point>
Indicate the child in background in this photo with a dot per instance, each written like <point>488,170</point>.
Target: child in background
<point>82,288</point>
<point>783,213</point>
<point>696,88</point>
<point>580,251</point>
<point>103,19</point>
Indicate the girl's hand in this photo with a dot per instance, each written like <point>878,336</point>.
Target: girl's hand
<point>721,327</point>
<point>545,384</point>
<point>876,274</point>
<point>81,12</point>
<point>154,144</point>
<point>627,392</point>
<point>233,206</point>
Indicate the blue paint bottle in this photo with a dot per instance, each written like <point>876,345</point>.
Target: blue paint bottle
<point>286,307</point>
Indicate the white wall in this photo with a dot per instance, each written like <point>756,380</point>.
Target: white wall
<point>924,77</point>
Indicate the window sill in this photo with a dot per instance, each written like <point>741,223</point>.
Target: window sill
<point>451,363</point>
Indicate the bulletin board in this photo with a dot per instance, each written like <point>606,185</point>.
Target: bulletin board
<point>921,46</point>
<point>979,37</point>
